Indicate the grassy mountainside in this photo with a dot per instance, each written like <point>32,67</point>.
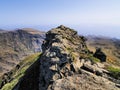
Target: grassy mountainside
<point>25,66</point>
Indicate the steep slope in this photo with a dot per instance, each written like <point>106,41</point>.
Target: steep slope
<point>110,46</point>
<point>29,68</point>
<point>16,45</point>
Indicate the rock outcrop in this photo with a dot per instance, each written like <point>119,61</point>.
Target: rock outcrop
<point>100,55</point>
<point>65,65</point>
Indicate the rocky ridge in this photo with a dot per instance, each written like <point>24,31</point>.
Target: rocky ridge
<point>65,64</point>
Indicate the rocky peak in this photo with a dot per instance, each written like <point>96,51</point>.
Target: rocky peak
<point>63,29</point>
<point>65,63</point>
<point>64,36</point>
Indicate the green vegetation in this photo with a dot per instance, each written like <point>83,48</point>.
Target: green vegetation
<point>71,40</point>
<point>115,72</point>
<point>25,64</point>
<point>91,57</point>
<point>70,49</point>
<point>72,57</point>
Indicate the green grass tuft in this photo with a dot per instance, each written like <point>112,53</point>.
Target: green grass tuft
<point>115,72</point>
<point>91,57</point>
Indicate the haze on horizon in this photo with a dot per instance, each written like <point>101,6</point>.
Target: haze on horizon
<point>94,17</point>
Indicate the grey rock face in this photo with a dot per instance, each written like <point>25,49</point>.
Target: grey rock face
<point>64,64</point>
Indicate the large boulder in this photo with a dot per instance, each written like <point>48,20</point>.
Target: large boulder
<point>100,55</point>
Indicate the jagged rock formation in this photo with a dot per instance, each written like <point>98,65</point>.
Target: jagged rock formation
<point>65,64</point>
<point>16,45</point>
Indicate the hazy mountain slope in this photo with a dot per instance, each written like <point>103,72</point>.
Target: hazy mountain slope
<point>1,30</point>
<point>15,45</point>
<point>110,46</point>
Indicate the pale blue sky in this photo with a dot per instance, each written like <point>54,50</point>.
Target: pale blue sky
<point>99,17</point>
